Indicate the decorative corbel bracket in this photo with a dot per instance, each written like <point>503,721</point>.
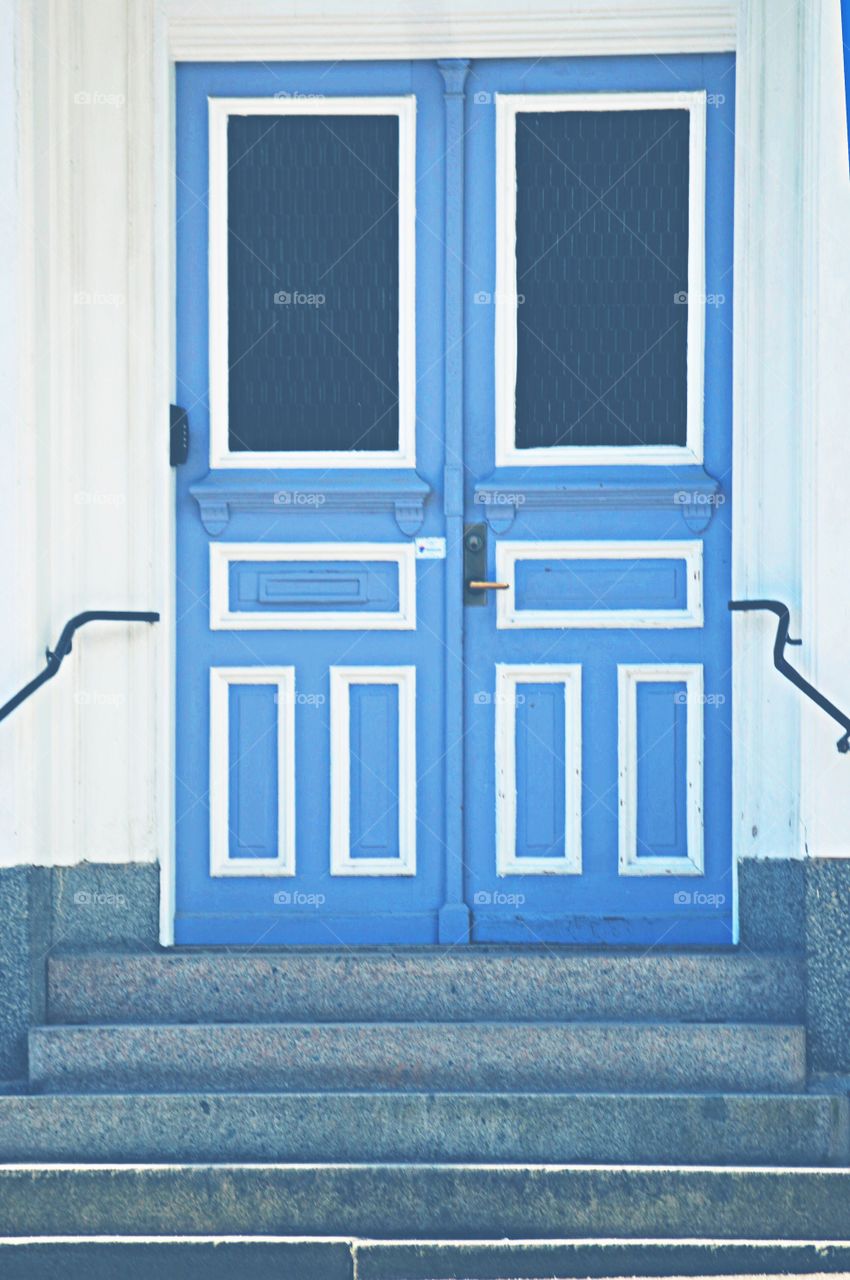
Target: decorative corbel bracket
<point>221,495</point>
<point>691,491</point>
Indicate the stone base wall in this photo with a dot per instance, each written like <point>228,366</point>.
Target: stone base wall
<point>45,909</point>
<point>786,907</point>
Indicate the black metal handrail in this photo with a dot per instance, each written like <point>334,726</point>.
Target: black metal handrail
<point>784,667</point>
<point>63,647</point>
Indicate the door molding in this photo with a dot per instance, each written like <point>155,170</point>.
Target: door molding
<point>508,677</point>
<point>220,111</point>
<point>510,616</point>
<point>342,863</point>
<point>507,297</point>
<point>223,617</point>
<point>789,449</point>
<point>281,31</point>
<point>282,679</point>
<point>630,676</point>
<point>277,30</point>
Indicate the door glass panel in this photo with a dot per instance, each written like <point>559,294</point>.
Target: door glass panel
<point>602,277</point>
<point>313,282</point>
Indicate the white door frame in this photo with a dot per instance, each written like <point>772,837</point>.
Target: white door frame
<point>790,389</point>
<point>765,436</point>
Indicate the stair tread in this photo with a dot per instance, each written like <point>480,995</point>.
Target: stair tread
<point>397,1024</point>
<point>796,1129</point>
<point>214,1258</point>
<point>458,1056</point>
<point>408,1096</point>
<point>428,1200</point>
<point>417,983</point>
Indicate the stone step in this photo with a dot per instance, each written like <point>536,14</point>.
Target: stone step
<point>574,1259</point>
<point>177,1259</point>
<point>416,984</point>
<point>751,1129</point>
<point>420,1202</point>
<point>261,1258</point>
<point>456,1057</point>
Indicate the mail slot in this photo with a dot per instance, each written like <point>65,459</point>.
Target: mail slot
<point>321,586</point>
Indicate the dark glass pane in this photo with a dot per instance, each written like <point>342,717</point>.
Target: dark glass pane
<point>313,282</point>
<point>602,263</point>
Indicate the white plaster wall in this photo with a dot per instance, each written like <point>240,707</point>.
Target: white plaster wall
<point>79,762</point>
<point>85,494</point>
<point>792,446</point>
<point>825,424</point>
<point>767,438</point>
<point>13,652</point>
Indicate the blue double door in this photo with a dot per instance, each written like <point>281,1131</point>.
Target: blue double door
<point>453,535</point>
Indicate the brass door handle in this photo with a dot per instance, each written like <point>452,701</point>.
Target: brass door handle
<point>488,586</point>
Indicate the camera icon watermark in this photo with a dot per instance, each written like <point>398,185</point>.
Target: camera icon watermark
<point>696,498</point>
<point>498,498</point>
<point>697,898</point>
<point>94,298</point>
<point>301,699</point>
<point>97,698</point>
<point>298,498</point>
<point>84,898</point>
<point>684,698</point>
<point>484,898</point>
<point>89,498</point>
<point>484,299</point>
<point>96,98</point>
<point>484,698</point>
<point>681,298</point>
<point>295,898</point>
<point>298,298</point>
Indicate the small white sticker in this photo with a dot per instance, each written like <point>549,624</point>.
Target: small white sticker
<point>430,548</point>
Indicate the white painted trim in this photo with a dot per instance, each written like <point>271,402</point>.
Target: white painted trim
<point>824,300</point>
<point>223,618</point>
<point>508,676</point>
<point>771,421</point>
<point>507,107</point>
<point>221,864</point>
<point>509,617</point>
<point>629,676</point>
<point>281,30</point>
<point>161,202</point>
<point>24,832</point>
<point>370,1243</point>
<point>342,863</point>
<point>220,110</point>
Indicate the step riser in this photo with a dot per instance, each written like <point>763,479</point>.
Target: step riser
<point>567,1260</point>
<point>367,1260</point>
<point>420,1202</point>
<point>480,985</point>
<point>178,1260</point>
<point>458,1057</point>
<point>216,1128</point>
